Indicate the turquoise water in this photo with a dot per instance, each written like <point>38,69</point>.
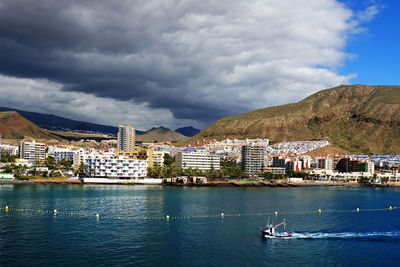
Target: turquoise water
<point>339,239</point>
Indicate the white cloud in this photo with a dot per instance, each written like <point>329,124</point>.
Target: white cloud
<point>46,97</point>
<point>368,14</point>
<point>151,61</point>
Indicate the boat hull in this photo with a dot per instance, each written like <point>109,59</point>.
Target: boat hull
<point>276,235</point>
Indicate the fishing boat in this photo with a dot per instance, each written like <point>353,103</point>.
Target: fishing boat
<point>269,231</point>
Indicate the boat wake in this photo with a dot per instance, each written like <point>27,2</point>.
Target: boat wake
<point>370,236</point>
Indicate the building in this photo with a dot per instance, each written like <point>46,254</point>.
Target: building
<point>322,163</point>
<point>278,161</point>
<point>386,160</point>
<point>65,154</point>
<point>32,151</point>
<point>115,167</point>
<point>306,162</point>
<point>294,165</point>
<point>371,167</point>
<point>352,165</point>
<point>9,149</point>
<point>275,170</point>
<point>126,138</point>
<point>158,159</point>
<point>78,160</point>
<point>154,158</point>
<point>253,159</point>
<point>328,163</point>
<point>197,160</point>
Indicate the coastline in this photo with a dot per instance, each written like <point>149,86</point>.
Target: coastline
<point>279,183</point>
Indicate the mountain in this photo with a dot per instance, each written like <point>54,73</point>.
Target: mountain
<point>15,126</point>
<point>188,131</point>
<point>52,122</point>
<point>357,118</point>
<point>160,134</point>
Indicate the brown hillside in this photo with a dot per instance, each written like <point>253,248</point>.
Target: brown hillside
<point>160,134</point>
<point>329,149</point>
<point>14,126</point>
<point>357,118</point>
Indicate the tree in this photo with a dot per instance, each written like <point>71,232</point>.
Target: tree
<point>50,163</point>
<point>385,180</point>
<point>67,164</point>
<point>7,158</point>
<point>364,180</point>
<point>168,160</point>
<point>18,170</point>
<point>55,174</point>
<point>8,169</point>
<point>82,169</point>
<point>232,170</point>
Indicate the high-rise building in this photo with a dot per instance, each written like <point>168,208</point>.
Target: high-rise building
<point>253,159</point>
<point>126,138</point>
<point>32,151</point>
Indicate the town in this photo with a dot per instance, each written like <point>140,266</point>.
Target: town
<point>202,162</point>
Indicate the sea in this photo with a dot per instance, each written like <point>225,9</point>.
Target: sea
<point>127,225</point>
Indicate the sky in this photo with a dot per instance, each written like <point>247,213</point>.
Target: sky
<point>180,63</point>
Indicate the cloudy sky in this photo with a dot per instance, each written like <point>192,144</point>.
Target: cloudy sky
<point>175,63</point>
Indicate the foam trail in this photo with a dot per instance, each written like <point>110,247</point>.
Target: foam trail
<point>349,235</point>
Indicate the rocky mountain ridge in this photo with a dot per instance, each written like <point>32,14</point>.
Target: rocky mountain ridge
<point>358,118</point>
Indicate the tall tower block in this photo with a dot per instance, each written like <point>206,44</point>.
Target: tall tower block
<point>126,138</point>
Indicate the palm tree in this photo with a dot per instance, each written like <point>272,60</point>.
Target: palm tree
<point>82,169</point>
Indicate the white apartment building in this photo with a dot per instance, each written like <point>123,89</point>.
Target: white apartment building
<point>158,158</point>
<point>234,147</point>
<point>370,167</point>
<point>197,160</point>
<point>81,155</point>
<point>65,154</point>
<point>115,167</point>
<point>32,151</point>
<point>8,149</point>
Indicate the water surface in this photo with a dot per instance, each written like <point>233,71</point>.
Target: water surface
<point>340,239</point>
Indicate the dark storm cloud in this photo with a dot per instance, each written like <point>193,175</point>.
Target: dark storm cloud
<point>201,60</point>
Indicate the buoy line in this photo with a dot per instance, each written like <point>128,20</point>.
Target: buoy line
<point>98,216</point>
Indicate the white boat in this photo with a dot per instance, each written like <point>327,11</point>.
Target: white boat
<point>269,231</point>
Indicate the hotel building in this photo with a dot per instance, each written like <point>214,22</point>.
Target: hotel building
<point>115,167</point>
<point>253,159</point>
<point>197,160</point>
<point>32,151</point>
<point>126,138</point>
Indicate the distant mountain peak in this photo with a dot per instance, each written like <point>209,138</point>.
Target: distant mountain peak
<point>160,134</point>
<point>159,129</point>
<point>188,131</point>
